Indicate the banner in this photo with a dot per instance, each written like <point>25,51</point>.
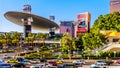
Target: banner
<point>83,22</point>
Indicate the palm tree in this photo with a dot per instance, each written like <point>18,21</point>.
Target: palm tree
<point>16,40</point>
<point>41,37</point>
<point>1,40</point>
<point>68,43</point>
<point>7,40</point>
<point>31,38</point>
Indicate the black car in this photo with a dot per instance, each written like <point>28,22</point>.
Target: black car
<point>18,65</point>
<point>43,60</point>
<point>20,59</point>
<point>69,65</point>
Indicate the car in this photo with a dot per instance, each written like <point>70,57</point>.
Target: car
<point>53,63</point>
<point>5,65</point>
<point>82,61</point>
<point>94,66</point>
<point>6,57</point>
<point>37,66</point>
<point>117,62</point>
<point>43,60</point>
<point>77,63</point>
<point>26,62</point>
<point>43,65</point>
<point>58,60</point>
<point>99,65</point>
<point>109,62</point>
<point>20,65</point>
<point>12,61</point>
<point>20,59</point>
<point>68,65</point>
<point>100,61</point>
<point>2,61</point>
<point>34,61</point>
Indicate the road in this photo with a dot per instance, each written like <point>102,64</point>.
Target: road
<point>112,66</point>
<point>8,54</point>
<point>84,66</point>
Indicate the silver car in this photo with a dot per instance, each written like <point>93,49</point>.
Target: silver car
<point>41,65</point>
<point>99,65</point>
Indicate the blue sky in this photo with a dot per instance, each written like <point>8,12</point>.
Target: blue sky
<point>62,10</point>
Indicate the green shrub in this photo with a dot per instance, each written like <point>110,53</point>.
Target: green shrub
<point>52,57</point>
<point>33,56</point>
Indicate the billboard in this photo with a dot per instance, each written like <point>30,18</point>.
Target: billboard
<point>83,22</point>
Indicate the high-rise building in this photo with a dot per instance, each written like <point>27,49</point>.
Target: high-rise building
<point>52,18</point>
<point>114,6</point>
<point>67,26</point>
<point>83,23</point>
<point>27,21</point>
<point>52,30</point>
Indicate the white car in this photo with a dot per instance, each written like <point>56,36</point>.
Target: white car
<point>82,61</point>
<point>34,61</point>
<point>76,61</point>
<point>37,66</point>
<point>41,65</point>
<point>6,57</point>
<point>99,65</point>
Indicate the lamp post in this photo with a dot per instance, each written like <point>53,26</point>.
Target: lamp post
<point>52,52</point>
<point>114,53</point>
<point>77,50</point>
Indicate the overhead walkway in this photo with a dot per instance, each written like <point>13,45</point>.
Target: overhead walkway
<point>106,47</point>
<point>114,45</point>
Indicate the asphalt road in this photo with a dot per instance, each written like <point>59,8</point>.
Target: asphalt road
<point>8,54</point>
<point>112,66</point>
<point>84,66</point>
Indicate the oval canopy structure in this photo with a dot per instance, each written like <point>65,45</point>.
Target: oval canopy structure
<point>39,23</point>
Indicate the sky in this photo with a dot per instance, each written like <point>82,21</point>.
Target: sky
<point>63,10</point>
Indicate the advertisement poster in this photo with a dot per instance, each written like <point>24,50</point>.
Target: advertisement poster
<point>83,21</point>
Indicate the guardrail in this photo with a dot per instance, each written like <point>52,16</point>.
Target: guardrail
<point>47,41</point>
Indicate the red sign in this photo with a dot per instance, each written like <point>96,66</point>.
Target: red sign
<point>82,29</point>
<point>82,22</point>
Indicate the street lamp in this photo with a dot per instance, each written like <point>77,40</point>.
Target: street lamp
<point>114,53</point>
<point>52,52</point>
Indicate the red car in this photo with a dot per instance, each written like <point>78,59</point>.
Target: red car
<point>118,61</point>
<point>54,63</point>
